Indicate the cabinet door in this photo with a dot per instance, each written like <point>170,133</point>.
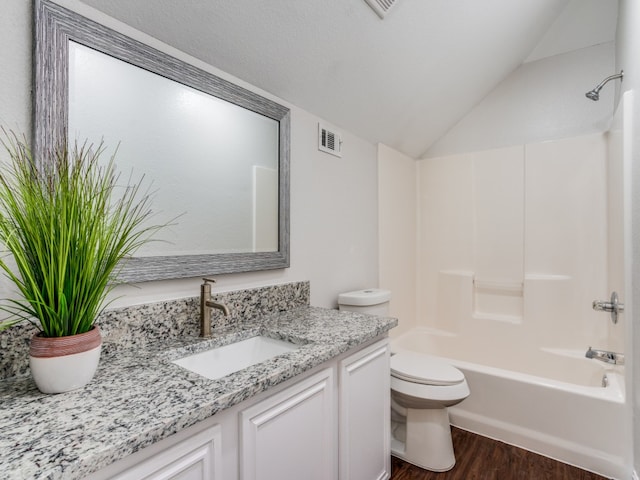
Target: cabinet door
<point>364,414</point>
<point>291,435</point>
<point>196,458</point>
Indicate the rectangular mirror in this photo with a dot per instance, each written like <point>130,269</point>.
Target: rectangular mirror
<point>217,154</point>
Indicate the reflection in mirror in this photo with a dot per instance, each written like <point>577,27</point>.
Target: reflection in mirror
<point>193,147</point>
<point>217,154</point>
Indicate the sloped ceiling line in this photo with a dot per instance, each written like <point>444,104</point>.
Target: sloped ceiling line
<point>403,81</point>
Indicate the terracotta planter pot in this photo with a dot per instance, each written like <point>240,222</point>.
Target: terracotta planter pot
<point>61,364</point>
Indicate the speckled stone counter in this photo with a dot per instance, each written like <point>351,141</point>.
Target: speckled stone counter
<point>139,397</point>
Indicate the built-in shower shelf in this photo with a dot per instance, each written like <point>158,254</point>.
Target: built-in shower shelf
<point>497,317</point>
<point>546,277</point>
<point>498,299</point>
<point>498,285</point>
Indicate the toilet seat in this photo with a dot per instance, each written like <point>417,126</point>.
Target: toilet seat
<point>424,369</point>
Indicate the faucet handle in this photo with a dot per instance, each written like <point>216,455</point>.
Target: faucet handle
<point>208,280</point>
<point>614,307</point>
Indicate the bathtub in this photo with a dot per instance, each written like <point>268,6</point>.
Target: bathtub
<point>550,401</point>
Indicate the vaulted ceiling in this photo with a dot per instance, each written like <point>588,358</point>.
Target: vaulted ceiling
<point>403,81</point>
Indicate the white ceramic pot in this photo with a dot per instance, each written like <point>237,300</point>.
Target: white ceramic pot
<point>61,364</point>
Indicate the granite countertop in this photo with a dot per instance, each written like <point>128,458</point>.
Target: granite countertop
<point>139,397</point>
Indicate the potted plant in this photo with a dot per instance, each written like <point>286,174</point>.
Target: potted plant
<point>66,224</point>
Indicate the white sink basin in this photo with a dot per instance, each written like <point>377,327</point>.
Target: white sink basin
<point>221,361</point>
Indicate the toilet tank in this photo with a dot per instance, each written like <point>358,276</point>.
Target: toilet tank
<point>374,301</point>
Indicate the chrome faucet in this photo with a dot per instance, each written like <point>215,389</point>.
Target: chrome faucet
<point>615,307</point>
<point>206,304</point>
<point>604,356</point>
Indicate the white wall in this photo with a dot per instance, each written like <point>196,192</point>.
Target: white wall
<point>627,54</point>
<point>397,222</point>
<point>541,100</point>
<point>333,201</point>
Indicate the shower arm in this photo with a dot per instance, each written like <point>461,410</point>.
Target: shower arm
<point>608,79</point>
<point>595,93</point>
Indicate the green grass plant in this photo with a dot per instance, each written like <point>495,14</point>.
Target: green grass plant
<point>67,224</point>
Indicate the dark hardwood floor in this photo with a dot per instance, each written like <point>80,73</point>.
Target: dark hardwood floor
<point>480,458</point>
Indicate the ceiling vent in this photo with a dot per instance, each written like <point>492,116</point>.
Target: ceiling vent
<point>381,7</point>
<point>329,142</point>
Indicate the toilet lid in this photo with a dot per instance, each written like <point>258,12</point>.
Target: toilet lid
<point>424,369</point>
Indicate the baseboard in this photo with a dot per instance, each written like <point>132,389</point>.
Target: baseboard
<point>558,449</point>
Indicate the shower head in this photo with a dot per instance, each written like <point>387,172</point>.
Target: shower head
<point>595,93</point>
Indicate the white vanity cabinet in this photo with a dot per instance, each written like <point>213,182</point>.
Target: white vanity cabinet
<point>326,424</point>
<point>292,434</point>
<point>364,449</point>
<point>185,456</point>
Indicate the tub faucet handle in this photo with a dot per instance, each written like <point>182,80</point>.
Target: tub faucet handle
<point>613,306</point>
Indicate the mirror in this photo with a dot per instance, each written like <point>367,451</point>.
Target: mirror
<point>217,154</point>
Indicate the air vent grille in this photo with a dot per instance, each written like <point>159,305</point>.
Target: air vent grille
<point>329,141</point>
<point>381,7</point>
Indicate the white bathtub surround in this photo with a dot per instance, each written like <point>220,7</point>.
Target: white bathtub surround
<point>498,233</point>
<point>513,246</point>
<point>548,401</point>
<point>397,232</point>
<point>523,250</point>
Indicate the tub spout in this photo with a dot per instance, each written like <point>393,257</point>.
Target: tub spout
<point>604,356</point>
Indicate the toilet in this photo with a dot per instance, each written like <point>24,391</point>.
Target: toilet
<point>422,388</point>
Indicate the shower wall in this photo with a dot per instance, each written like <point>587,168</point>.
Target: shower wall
<point>618,208</point>
<point>397,234</point>
<point>512,243</point>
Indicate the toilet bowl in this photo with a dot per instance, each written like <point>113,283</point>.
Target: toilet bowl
<point>422,387</point>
